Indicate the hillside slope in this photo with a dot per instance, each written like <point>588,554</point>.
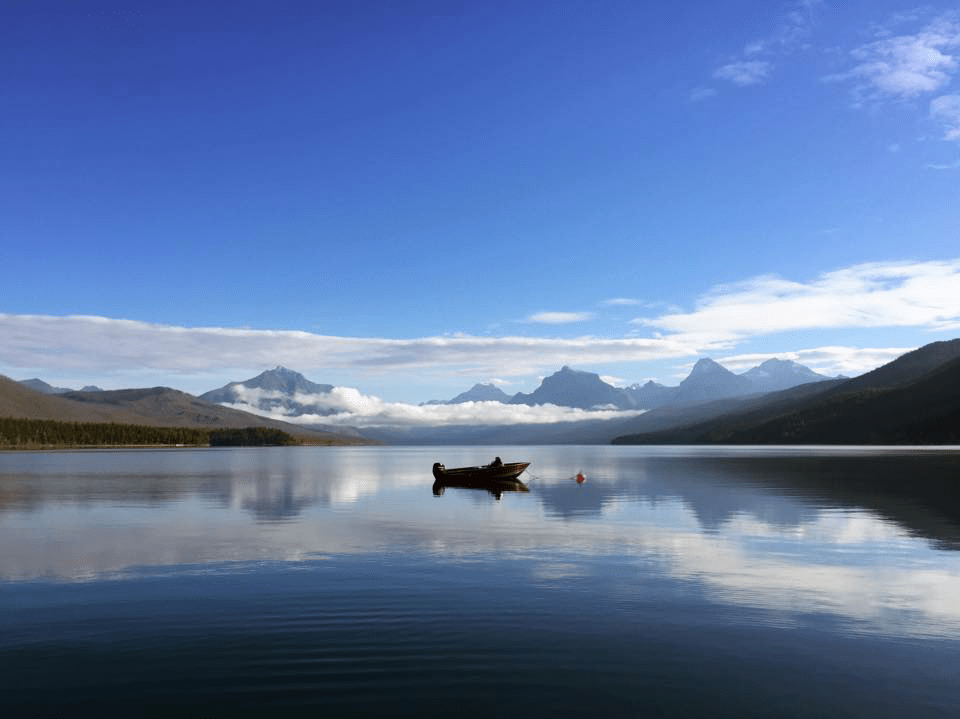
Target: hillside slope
<point>155,407</point>
<point>913,400</point>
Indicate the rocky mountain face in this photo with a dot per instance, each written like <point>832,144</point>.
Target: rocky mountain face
<point>278,390</point>
<point>573,388</point>
<point>776,374</point>
<point>709,380</point>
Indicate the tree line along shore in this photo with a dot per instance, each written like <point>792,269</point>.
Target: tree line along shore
<point>18,433</point>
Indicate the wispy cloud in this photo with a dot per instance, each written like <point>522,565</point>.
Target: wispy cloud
<point>622,301</point>
<point>794,30</point>
<point>559,318</point>
<point>699,94</point>
<point>745,72</point>
<point>905,65</point>
<point>945,110</point>
<point>754,65</point>
<point>921,294</point>
<point>944,166</point>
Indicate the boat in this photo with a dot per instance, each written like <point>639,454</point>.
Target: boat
<point>495,477</point>
<point>496,471</point>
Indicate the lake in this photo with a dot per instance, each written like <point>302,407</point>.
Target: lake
<point>675,581</point>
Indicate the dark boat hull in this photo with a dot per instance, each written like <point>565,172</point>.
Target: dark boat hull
<point>479,476</point>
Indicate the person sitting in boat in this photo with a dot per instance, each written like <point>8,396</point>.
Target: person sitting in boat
<point>497,462</point>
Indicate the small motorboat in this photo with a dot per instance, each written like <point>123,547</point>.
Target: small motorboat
<point>496,471</point>
<point>495,477</point>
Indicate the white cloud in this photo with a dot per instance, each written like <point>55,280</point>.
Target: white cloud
<point>698,94</point>
<point>747,72</point>
<point>356,409</point>
<point>906,65</point>
<point>614,381</point>
<point>946,111</point>
<point>102,346</point>
<point>921,294</point>
<point>559,318</point>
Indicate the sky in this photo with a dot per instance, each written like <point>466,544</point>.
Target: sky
<point>407,198</point>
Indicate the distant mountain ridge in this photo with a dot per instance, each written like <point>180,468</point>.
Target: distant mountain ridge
<point>707,381</point>
<point>40,386</point>
<point>286,392</point>
<point>481,393</point>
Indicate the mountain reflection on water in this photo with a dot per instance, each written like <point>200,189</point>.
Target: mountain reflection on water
<point>865,534</point>
<point>674,582</point>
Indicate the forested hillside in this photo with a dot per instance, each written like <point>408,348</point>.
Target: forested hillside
<point>28,433</point>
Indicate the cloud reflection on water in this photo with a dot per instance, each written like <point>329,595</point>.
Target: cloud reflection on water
<point>778,546</point>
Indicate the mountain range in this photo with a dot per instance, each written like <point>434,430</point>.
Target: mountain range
<point>286,392</point>
<point>914,399</point>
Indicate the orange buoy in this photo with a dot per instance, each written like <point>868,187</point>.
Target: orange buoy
<point>580,478</point>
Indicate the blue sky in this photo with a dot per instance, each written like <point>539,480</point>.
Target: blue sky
<point>411,197</point>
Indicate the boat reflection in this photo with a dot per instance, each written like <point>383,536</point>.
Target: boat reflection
<point>496,487</point>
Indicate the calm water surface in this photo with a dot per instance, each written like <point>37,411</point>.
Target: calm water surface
<point>673,582</point>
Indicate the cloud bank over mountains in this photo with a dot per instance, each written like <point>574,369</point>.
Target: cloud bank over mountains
<point>346,406</point>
